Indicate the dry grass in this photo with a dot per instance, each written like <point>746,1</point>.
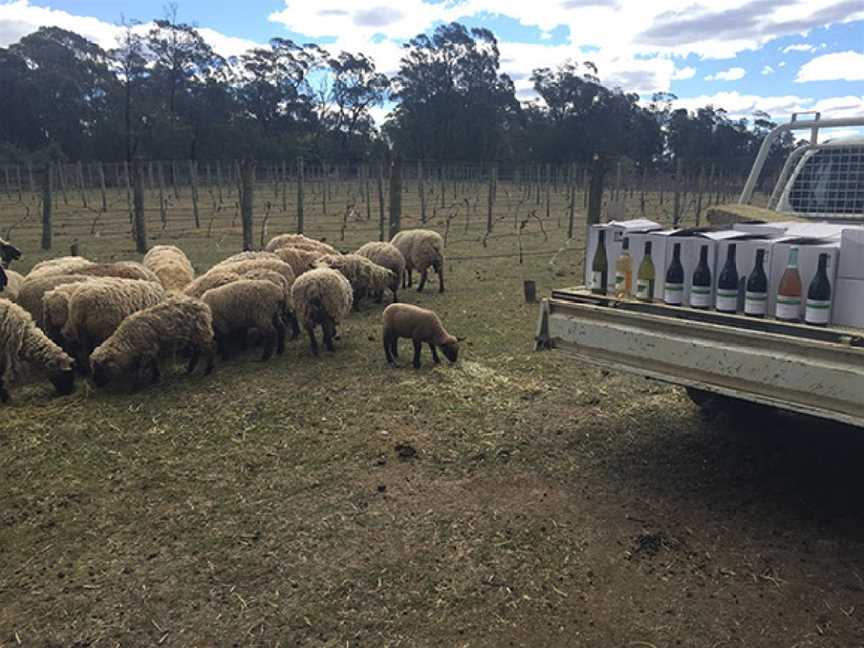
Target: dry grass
<point>512,499</point>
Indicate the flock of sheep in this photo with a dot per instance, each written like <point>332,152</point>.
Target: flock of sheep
<point>116,321</point>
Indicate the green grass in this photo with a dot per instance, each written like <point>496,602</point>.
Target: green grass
<point>547,504</point>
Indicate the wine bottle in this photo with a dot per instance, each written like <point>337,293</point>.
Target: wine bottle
<point>599,269</point>
<point>645,278</point>
<point>700,289</point>
<point>673,293</point>
<point>756,296</point>
<point>819,295</point>
<point>789,292</point>
<point>624,271</point>
<point>727,284</point>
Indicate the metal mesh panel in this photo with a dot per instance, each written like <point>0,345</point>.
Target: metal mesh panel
<point>830,181</point>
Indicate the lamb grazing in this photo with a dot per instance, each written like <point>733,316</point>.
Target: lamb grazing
<point>179,323</point>
<point>61,265</point>
<point>22,341</point>
<point>422,249</point>
<point>12,288</point>
<point>245,256</point>
<point>387,256</point>
<point>245,304</point>
<point>212,279</point>
<point>300,260</point>
<point>322,297</point>
<point>300,242</point>
<point>420,325</point>
<point>34,288</point>
<point>365,277</point>
<point>171,266</point>
<point>8,254</point>
<point>97,308</point>
<point>121,270</point>
<point>280,282</point>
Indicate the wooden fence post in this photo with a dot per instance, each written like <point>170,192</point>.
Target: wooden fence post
<point>247,196</point>
<point>571,208</point>
<point>300,216</point>
<point>380,201</point>
<point>193,180</point>
<point>676,197</point>
<point>18,177</point>
<point>366,174</point>
<point>46,208</point>
<point>595,190</point>
<point>101,171</point>
<point>160,179</point>
<point>30,178</point>
<point>395,196</point>
<point>79,172</point>
<point>421,188</point>
<point>490,200</point>
<point>129,205</point>
<point>61,179</point>
<point>138,199</point>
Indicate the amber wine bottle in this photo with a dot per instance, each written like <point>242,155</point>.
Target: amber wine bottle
<point>819,295</point>
<point>756,296</point>
<point>727,284</point>
<point>673,292</point>
<point>645,278</point>
<point>599,268</point>
<point>700,289</point>
<point>789,292</point>
<point>624,271</point>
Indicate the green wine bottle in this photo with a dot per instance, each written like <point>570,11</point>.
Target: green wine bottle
<point>645,277</point>
<point>727,284</point>
<point>600,267</point>
<point>700,288</point>
<point>673,291</point>
<point>756,296</point>
<point>818,307</point>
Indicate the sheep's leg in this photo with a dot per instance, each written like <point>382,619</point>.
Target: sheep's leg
<point>193,359</point>
<point>313,343</point>
<point>434,353</point>
<point>295,327</point>
<point>211,352</point>
<point>418,346</point>
<point>154,371</point>
<point>395,346</point>
<point>4,395</point>
<point>389,344</point>
<point>222,344</point>
<point>355,302</point>
<point>405,278</point>
<point>270,336</point>
<point>440,271</point>
<point>423,277</point>
<point>329,331</point>
<point>280,335</point>
<point>395,295</point>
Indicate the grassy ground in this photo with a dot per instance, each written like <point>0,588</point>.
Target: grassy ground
<point>514,499</point>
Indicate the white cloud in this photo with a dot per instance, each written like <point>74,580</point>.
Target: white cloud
<point>732,74</point>
<point>779,107</point>
<point>682,74</point>
<point>767,70</point>
<point>839,66</point>
<point>798,47</point>
<point>781,64</point>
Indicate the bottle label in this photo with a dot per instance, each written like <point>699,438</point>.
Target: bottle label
<point>700,297</point>
<point>756,303</point>
<point>673,294</point>
<point>620,280</point>
<point>727,300</point>
<point>643,289</point>
<point>597,281</point>
<point>788,308</point>
<point>817,311</point>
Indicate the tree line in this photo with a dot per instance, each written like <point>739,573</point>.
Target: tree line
<point>166,94</point>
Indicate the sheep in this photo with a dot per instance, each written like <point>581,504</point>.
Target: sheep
<point>245,256</point>
<point>364,276</point>
<point>420,325</point>
<point>97,308</point>
<point>387,256</point>
<point>171,266</point>
<point>34,288</point>
<point>55,309</point>
<point>11,289</point>
<point>322,296</point>
<point>281,282</point>
<point>275,265</point>
<point>59,266</point>
<point>212,279</point>
<point>8,254</point>
<point>422,249</point>
<point>245,304</point>
<point>301,242</point>
<point>179,323</point>
<point>121,270</point>
<point>22,341</point>
<point>300,260</point>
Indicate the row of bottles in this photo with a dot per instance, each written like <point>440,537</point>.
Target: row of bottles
<point>789,293</point>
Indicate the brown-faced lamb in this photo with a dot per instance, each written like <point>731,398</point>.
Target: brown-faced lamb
<point>34,288</point>
<point>121,270</point>
<point>365,277</point>
<point>212,279</point>
<point>322,297</point>
<point>387,256</point>
<point>178,324</point>
<point>21,341</point>
<point>422,249</point>
<point>245,304</point>
<point>301,242</point>
<point>12,288</point>
<point>171,265</point>
<point>419,325</point>
<point>97,308</point>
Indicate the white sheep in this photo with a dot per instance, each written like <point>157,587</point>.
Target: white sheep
<point>179,323</point>
<point>322,297</point>
<point>419,325</point>
<point>301,242</point>
<point>171,265</point>
<point>245,256</point>
<point>300,260</point>
<point>422,249</point>
<point>60,265</point>
<point>365,277</point>
<point>21,341</point>
<point>34,288</point>
<point>387,256</point>
<point>121,270</point>
<point>14,281</point>
<point>211,279</point>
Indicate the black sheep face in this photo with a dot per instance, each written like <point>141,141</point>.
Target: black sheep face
<point>451,351</point>
<point>64,381</point>
<point>101,373</point>
<point>8,253</point>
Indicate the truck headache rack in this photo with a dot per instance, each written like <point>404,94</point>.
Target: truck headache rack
<point>817,371</point>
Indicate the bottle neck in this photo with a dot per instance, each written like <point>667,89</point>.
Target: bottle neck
<point>793,258</point>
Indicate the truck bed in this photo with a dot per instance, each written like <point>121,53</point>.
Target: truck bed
<point>812,370</point>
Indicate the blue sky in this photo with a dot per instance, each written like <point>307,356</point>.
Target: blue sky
<point>744,55</point>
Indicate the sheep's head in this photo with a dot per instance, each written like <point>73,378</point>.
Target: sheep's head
<point>8,253</point>
<point>104,368</point>
<point>450,349</point>
<point>63,377</point>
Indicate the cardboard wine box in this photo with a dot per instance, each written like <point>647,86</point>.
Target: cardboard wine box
<point>809,250</point>
<point>615,232</point>
<point>745,260</point>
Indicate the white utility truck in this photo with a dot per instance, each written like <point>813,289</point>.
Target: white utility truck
<point>721,358</point>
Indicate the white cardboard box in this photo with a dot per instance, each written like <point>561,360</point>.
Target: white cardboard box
<point>745,260</point>
<point>851,254</point>
<point>615,232</point>
<point>808,259</point>
<point>848,301</point>
<point>661,254</point>
<point>763,229</point>
<point>691,246</point>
